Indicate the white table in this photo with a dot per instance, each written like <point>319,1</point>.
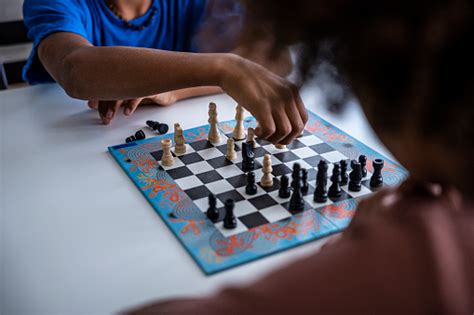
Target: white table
<point>77,236</point>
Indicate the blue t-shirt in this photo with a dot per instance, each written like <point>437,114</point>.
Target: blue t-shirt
<point>173,26</point>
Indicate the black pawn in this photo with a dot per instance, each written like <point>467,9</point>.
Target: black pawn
<point>285,190</point>
<point>159,127</point>
<point>296,176</point>
<point>251,188</point>
<point>304,181</point>
<point>212,212</point>
<point>296,200</point>
<point>335,189</point>
<point>344,176</point>
<point>140,135</point>
<point>230,222</point>
<point>376,180</point>
<point>363,165</point>
<point>321,192</point>
<point>355,177</point>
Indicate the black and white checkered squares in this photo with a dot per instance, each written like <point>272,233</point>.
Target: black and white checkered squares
<point>204,169</point>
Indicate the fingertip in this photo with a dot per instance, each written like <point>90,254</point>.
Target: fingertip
<point>127,111</point>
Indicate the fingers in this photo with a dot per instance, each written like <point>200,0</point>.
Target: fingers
<point>130,106</point>
<point>108,109</point>
<point>93,104</point>
<point>283,129</point>
<point>265,127</point>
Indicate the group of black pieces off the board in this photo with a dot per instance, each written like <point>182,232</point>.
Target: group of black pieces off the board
<point>160,128</point>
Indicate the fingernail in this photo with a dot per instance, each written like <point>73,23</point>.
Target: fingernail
<point>109,114</point>
<point>127,111</point>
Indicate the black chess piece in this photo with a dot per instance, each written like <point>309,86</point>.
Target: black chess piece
<point>296,200</point>
<point>363,165</point>
<point>248,157</point>
<point>251,188</point>
<point>285,190</point>
<point>158,127</point>
<point>212,212</point>
<point>344,175</point>
<point>296,175</point>
<point>230,222</point>
<point>335,189</point>
<point>139,135</point>
<point>376,180</point>
<point>304,181</point>
<point>321,193</point>
<point>355,177</point>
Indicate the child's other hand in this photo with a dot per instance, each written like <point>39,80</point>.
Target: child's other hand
<point>272,100</point>
<point>108,109</point>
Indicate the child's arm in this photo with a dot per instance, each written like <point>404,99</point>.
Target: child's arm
<point>114,73</point>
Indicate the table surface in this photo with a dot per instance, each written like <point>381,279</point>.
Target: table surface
<point>76,234</point>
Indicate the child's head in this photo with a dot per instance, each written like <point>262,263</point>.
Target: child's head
<point>409,64</point>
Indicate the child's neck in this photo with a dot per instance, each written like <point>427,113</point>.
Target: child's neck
<point>131,9</point>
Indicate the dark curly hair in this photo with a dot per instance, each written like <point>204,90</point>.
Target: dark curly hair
<point>407,62</point>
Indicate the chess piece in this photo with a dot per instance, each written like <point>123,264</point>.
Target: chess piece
<point>251,188</point>
<point>231,154</point>
<point>251,136</point>
<point>376,180</point>
<point>230,222</point>
<point>248,157</point>
<point>285,190</point>
<point>296,200</point>
<point>213,136</point>
<point>355,177</point>
<point>212,212</point>
<point>280,146</point>
<point>320,192</point>
<point>344,176</point>
<point>363,165</point>
<point>335,189</point>
<point>267,177</point>
<point>158,127</point>
<point>304,181</point>
<point>139,135</point>
<point>296,175</point>
<point>167,158</point>
<point>179,141</point>
<point>239,131</point>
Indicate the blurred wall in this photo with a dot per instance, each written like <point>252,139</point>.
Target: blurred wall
<point>10,10</point>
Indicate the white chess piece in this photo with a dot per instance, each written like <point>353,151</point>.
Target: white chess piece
<point>179,141</point>
<point>231,154</point>
<point>239,130</point>
<point>213,136</point>
<point>267,177</point>
<point>167,159</point>
<point>280,146</point>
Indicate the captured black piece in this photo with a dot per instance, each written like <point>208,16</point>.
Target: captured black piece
<point>355,177</point>
<point>212,212</point>
<point>363,165</point>
<point>251,188</point>
<point>230,222</point>
<point>158,127</point>
<point>344,175</point>
<point>285,190</point>
<point>139,135</point>
<point>376,180</point>
<point>321,193</point>
<point>335,189</point>
<point>248,157</point>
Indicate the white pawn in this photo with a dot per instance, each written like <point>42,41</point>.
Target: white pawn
<point>231,154</point>
<point>167,159</point>
<point>213,136</point>
<point>179,141</point>
<point>267,177</point>
<point>239,130</point>
<point>280,146</point>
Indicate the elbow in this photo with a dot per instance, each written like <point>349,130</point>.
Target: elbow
<point>71,76</point>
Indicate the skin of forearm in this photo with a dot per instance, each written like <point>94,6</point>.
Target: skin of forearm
<point>195,91</point>
<point>142,72</point>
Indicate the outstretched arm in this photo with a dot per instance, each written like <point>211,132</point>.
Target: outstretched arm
<point>121,73</point>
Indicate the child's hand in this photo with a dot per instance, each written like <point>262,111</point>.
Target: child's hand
<point>272,100</point>
<point>108,109</point>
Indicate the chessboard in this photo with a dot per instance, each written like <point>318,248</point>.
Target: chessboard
<point>266,223</point>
